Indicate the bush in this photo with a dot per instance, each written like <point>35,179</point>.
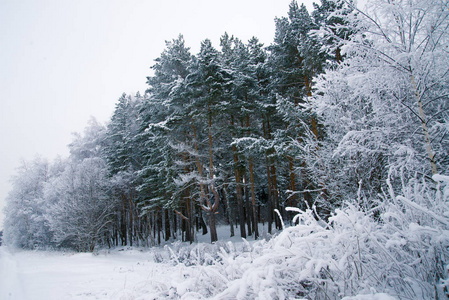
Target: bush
<point>400,248</point>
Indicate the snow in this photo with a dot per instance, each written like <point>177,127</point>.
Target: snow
<point>176,271</point>
<point>123,273</point>
<point>377,296</point>
<point>57,275</point>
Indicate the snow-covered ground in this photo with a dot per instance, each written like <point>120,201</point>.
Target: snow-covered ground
<point>56,275</point>
<point>126,273</point>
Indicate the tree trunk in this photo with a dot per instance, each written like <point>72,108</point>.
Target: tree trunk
<point>253,194</point>
<point>174,225</point>
<point>198,164</point>
<point>338,56</point>
<point>201,223</point>
<point>212,226</point>
<point>274,185</point>
<point>188,203</point>
<point>248,206</point>
<point>308,84</point>
<point>167,225</point>
<point>267,136</point>
<point>229,210</point>
<point>270,199</point>
<point>131,222</point>
<point>205,202</point>
<point>159,225</point>
<point>123,229</point>
<point>153,226</point>
<point>275,195</point>
<point>212,208</point>
<point>253,199</point>
<point>292,197</point>
<point>238,187</point>
<point>189,221</point>
<point>314,127</point>
<point>185,226</point>
<point>422,116</point>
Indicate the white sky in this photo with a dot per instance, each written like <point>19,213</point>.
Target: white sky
<point>63,61</point>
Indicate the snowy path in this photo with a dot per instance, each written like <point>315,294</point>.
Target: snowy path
<point>130,274</point>
<point>52,275</point>
<point>10,284</point>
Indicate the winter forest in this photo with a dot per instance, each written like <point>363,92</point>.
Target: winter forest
<point>330,146</point>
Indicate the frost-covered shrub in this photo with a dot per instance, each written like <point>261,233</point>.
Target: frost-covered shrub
<point>200,254</point>
<point>400,249</point>
<point>311,259</point>
<point>418,223</point>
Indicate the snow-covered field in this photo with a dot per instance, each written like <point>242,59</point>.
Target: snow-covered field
<point>56,275</point>
<point>124,273</point>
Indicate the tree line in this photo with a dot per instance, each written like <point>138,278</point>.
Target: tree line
<point>344,105</point>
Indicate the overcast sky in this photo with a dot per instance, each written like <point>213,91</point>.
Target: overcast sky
<point>63,61</point>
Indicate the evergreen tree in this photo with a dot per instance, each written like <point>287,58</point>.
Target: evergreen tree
<point>124,160</point>
<point>296,59</point>
<point>166,135</point>
<point>209,87</point>
<point>331,17</point>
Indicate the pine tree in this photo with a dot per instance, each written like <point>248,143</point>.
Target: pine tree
<point>166,135</point>
<point>331,17</point>
<point>296,59</point>
<point>124,159</point>
<point>209,87</point>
